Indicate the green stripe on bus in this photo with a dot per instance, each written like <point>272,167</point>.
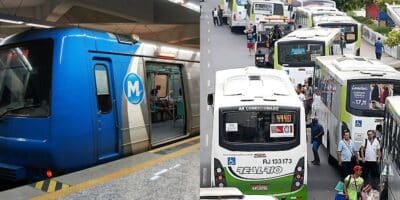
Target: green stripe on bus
<point>277,186</point>
<point>344,115</point>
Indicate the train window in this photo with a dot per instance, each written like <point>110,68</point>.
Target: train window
<point>102,89</point>
<point>161,81</point>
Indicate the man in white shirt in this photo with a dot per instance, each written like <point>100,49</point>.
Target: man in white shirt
<point>215,17</point>
<point>371,155</point>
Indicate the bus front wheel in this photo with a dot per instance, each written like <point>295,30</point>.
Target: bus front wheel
<point>331,160</point>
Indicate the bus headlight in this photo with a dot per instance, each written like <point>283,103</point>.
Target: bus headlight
<point>298,175</point>
<point>219,175</point>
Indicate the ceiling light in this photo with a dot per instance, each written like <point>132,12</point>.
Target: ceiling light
<point>11,21</point>
<point>38,25</point>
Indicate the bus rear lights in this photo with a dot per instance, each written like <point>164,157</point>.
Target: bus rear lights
<point>298,176</point>
<point>234,17</point>
<point>220,178</point>
<point>299,169</point>
<point>221,185</point>
<point>219,170</point>
<point>49,173</point>
<point>297,184</point>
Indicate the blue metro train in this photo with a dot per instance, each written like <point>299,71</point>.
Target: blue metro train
<point>71,98</point>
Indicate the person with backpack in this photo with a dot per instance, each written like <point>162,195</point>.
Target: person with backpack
<point>215,17</point>
<point>370,156</point>
<point>346,150</point>
<point>353,184</point>
<point>317,131</point>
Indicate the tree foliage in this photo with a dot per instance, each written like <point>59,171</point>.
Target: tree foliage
<point>348,5</point>
<point>393,38</point>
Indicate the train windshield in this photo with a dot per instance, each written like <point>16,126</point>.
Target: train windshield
<point>260,130</point>
<point>368,98</point>
<point>299,53</point>
<point>25,78</point>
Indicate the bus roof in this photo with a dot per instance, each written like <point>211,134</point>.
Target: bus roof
<point>393,106</point>
<point>251,85</point>
<point>266,1</point>
<point>334,19</point>
<point>317,9</point>
<point>344,68</point>
<point>314,34</point>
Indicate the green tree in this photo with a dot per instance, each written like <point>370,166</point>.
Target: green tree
<point>348,5</point>
<point>393,38</point>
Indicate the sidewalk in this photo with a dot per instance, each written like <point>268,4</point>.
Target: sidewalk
<point>368,50</point>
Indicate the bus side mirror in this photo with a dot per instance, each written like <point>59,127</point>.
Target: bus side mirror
<point>210,99</point>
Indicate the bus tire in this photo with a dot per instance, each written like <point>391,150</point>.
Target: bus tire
<point>331,160</point>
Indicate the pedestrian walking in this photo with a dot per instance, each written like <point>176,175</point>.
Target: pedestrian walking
<point>346,150</point>
<point>317,131</point>
<point>308,100</point>
<point>250,38</point>
<point>353,184</point>
<point>370,156</point>
<point>215,17</point>
<point>220,15</point>
<point>378,48</point>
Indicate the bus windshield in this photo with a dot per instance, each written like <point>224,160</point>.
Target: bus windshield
<point>263,8</point>
<point>25,72</point>
<point>368,99</point>
<point>263,128</point>
<point>299,53</point>
<point>350,30</point>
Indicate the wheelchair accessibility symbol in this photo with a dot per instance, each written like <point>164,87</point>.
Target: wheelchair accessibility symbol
<point>358,123</point>
<point>231,161</point>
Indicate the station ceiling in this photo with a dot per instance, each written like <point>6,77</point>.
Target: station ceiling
<point>158,20</point>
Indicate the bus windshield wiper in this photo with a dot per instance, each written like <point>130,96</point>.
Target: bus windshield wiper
<point>16,107</point>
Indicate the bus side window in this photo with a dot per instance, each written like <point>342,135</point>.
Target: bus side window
<point>102,89</point>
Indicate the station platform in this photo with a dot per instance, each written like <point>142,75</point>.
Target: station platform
<point>169,172</point>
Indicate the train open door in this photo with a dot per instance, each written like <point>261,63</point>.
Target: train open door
<point>166,101</point>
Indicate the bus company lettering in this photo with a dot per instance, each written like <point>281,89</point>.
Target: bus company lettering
<point>277,161</point>
<point>258,108</point>
<point>260,170</point>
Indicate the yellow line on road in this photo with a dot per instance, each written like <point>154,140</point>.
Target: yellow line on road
<point>174,144</point>
<point>115,175</point>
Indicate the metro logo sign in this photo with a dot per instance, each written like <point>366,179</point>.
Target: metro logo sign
<point>281,130</point>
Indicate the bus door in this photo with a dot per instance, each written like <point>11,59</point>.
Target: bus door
<point>106,132</point>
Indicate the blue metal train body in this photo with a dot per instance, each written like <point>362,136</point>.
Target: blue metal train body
<point>73,133</point>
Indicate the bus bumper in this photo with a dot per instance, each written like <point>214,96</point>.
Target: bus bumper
<point>298,194</point>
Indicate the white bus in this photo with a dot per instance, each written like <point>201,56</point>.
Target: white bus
<point>259,134</point>
<point>390,143</point>
<point>266,13</point>
<point>321,3</point>
<point>350,28</point>
<point>304,17</point>
<point>352,96</point>
<point>236,13</point>
<point>296,52</point>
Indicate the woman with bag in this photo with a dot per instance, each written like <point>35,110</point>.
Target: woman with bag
<point>353,184</point>
<point>347,154</point>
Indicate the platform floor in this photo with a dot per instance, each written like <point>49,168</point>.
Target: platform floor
<point>166,130</point>
<point>169,172</point>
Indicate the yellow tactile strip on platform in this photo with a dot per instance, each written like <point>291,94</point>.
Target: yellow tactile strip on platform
<point>49,185</point>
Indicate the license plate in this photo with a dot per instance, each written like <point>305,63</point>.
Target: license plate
<point>259,187</point>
